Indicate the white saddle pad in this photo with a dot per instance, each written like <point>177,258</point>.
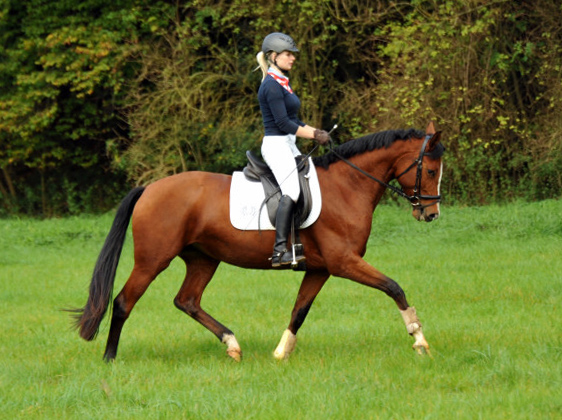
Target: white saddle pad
<point>246,198</point>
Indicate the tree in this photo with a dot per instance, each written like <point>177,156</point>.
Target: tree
<point>64,71</point>
<point>92,90</point>
<point>490,73</point>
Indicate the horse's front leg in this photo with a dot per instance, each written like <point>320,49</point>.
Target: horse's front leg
<point>310,287</point>
<point>362,272</point>
<point>414,327</point>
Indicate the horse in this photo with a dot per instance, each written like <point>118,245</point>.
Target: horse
<point>186,215</point>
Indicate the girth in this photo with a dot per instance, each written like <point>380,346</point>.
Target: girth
<point>258,171</point>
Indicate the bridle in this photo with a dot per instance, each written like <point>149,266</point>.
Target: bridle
<point>416,197</point>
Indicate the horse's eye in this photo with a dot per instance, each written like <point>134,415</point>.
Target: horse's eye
<point>431,173</point>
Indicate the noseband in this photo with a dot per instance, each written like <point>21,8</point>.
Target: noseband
<point>416,197</point>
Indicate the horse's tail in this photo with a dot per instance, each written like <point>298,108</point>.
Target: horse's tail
<point>88,319</point>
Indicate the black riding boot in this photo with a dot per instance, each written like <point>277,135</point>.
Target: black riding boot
<point>283,220</point>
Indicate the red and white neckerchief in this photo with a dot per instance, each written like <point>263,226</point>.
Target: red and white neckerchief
<point>282,80</point>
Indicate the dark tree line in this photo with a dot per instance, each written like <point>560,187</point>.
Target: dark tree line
<point>99,95</point>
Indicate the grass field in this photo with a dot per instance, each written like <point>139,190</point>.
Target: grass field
<point>487,284</point>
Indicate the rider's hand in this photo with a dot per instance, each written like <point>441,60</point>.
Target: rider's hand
<point>321,136</point>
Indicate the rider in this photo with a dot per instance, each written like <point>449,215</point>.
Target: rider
<point>279,107</point>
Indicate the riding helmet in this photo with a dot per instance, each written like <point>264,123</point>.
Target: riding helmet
<point>278,42</point>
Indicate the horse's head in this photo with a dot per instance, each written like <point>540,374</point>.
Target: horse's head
<point>419,174</point>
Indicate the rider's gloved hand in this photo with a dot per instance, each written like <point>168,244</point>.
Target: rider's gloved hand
<point>321,136</point>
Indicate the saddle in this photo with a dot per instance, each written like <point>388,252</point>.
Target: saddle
<point>258,171</point>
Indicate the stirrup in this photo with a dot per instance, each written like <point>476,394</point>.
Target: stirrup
<point>285,258</point>
<point>282,258</point>
<point>298,255</point>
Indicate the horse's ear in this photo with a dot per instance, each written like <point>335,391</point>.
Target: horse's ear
<point>435,136</point>
<point>434,141</point>
<point>430,128</point>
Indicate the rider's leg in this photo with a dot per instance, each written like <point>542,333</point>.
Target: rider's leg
<point>283,221</point>
<point>279,153</point>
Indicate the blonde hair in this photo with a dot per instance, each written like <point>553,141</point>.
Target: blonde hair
<point>263,64</point>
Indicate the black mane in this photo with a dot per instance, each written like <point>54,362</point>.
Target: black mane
<point>366,144</point>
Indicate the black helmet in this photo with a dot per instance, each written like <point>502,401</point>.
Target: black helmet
<point>278,42</point>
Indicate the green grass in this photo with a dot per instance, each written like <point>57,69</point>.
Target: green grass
<point>486,282</point>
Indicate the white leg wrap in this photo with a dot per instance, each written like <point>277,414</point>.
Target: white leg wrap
<point>411,320</point>
<point>414,327</point>
<point>286,345</point>
<point>233,348</point>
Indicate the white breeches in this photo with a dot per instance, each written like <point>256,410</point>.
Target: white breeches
<point>279,153</point>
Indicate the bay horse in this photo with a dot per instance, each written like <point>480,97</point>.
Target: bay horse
<point>187,215</point>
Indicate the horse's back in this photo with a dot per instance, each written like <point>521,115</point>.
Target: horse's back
<point>185,189</point>
<point>180,203</point>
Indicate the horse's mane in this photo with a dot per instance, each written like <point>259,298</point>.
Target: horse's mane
<point>366,144</point>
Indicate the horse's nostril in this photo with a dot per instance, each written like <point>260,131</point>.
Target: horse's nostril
<point>432,216</point>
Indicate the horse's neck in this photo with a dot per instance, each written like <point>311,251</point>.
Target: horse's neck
<point>378,164</point>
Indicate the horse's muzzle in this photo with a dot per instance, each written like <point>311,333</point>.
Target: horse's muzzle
<point>428,214</point>
<point>430,217</point>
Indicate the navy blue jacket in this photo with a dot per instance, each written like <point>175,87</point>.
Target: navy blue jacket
<point>279,108</point>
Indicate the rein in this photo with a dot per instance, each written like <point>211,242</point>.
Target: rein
<point>415,198</point>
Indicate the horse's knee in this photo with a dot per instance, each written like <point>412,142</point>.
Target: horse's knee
<point>187,305</point>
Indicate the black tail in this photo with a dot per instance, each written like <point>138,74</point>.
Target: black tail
<point>88,319</point>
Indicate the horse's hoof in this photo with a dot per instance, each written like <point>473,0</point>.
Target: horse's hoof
<point>422,350</point>
<point>109,358</point>
<point>286,345</point>
<point>235,354</point>
<point>279,355</point>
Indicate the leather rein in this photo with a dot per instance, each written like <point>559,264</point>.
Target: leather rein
<point>416,197</point>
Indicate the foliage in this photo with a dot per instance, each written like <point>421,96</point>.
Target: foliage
<point>194,104</point>
<point>108,88</point>
<point>489,72</point>
<point>64,69</point>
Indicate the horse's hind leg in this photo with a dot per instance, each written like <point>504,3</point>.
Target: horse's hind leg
<point>200,270</point>
<point>310,287</point>
<point>136,285</point>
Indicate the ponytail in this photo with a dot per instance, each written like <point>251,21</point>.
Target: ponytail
<point>263,64</point>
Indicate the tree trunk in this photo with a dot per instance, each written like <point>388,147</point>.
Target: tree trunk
<point>8,191</point>
<point>43,194</point>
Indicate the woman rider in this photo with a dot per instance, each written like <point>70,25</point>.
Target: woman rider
<point>279,107</point>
